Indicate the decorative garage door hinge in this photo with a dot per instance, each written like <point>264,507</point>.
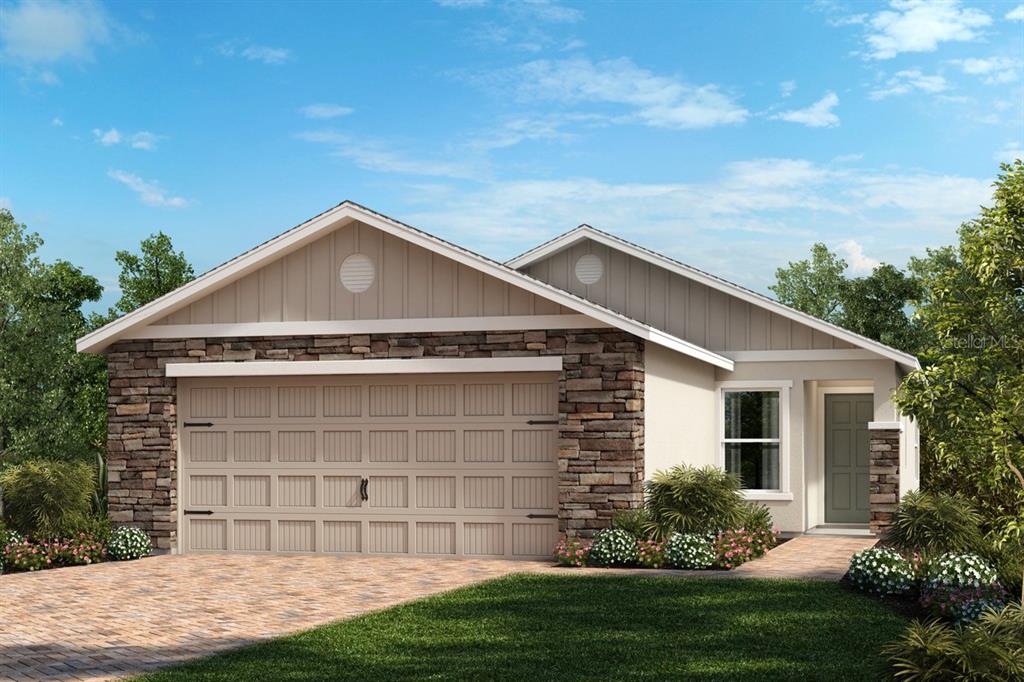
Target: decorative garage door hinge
<point>541,421</point>
<point>188,424</point>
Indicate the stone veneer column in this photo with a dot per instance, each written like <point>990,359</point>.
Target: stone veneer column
<point>601,405</point>
<point>884,474</point>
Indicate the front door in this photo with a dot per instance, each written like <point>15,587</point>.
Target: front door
<point>846,456</point>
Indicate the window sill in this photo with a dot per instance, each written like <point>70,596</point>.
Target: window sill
<point>768,495</point>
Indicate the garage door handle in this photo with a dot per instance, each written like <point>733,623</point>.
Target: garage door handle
<point>362,489</point>
<point>541,421</point>
<point>204,512</point>
<point>187,424</point>
<point>542,516</point>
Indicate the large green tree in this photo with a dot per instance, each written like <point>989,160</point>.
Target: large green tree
<point>816,285</point>
<point>47,390</point>
<point>970,394</point>
<point>149,274</point>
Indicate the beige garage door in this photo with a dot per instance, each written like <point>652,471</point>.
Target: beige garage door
<point>453,465</point>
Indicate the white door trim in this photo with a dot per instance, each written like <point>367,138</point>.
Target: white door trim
<point>276,368</point>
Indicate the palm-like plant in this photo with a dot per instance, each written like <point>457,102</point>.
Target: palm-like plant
<point>686,499</point>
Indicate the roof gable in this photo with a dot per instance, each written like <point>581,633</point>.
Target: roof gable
<point>301,236</point>
<point>687,302</point>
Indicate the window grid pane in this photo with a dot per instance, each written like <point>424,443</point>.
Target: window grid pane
<point>752,414</point>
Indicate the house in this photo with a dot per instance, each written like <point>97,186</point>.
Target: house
<point>358,385</point>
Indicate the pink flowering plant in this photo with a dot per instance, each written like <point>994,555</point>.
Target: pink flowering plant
<point>738,546</point>
<point>572,551</point>
<point>651,553</point>
<point>29,555</point>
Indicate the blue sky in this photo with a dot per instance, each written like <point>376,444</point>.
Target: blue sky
<point>728,135</point>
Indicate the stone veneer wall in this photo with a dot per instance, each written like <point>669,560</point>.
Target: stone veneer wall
<point>601,393</point>
<point>883,478</point>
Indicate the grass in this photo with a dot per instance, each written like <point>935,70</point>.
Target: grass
<point>585,628</point>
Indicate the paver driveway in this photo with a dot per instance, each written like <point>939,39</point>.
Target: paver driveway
<point>115,619</point>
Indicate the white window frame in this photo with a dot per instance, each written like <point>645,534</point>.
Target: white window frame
<point>782,387</point>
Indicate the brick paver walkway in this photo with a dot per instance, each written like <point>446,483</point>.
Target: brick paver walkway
<point>115,619</point>
<point>811,557</point>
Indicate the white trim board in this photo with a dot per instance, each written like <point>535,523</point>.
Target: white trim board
<point>347,327</point>
<point>276,368</point>
<point>571,237</point>
<point>348,211</point>
<point>826,354</point>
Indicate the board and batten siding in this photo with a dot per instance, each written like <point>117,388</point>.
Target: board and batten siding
<point>409,282</point>
<point>676,304</point>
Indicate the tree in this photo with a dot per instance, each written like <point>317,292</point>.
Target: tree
<point>970,393</point>
<point>151,273</point>
<point>815,286</point>
<point>45,386</point>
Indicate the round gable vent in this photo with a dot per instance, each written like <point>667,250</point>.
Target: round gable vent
<point>589,269</point>
<point>357,273</point>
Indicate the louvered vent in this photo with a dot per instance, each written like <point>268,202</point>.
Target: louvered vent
<point>589,269</point>
<point>357,273</point>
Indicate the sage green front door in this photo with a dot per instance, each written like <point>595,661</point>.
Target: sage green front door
<point>846,456</point>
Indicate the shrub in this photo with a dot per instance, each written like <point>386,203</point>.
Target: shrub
<point>690,551</point>
<point>756,517</point>
<point>27,555</point>
<point>572,551</point>
<point>960,587</point>
<point>992,648</point>
<point>651,553</point>
<point>934,523</point>
<point>613,547</point>
<point>127,543</point>
<point>882,571</point>
<point>685,499</point>
<point>636,522</point>
<point>47,499</point>
<point>735,547</point>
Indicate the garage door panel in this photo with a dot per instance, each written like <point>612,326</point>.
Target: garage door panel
<point>449,469</point>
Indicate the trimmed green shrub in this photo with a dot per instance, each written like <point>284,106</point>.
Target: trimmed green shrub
<point>686,499</point>
<point>935,523</point>
<point>127,543</point>
<point>636,522</point>
<point>992,648</point>
<point>881,571</point>
<point>613,547</point>
<point>47,498</point>
<point>690,551</point>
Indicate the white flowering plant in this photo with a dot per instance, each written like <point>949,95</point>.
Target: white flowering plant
<point>127,543</point>
<point>613,547</point>
<point>960,587</point>
<point>882,571</point>
<point>690,550</point>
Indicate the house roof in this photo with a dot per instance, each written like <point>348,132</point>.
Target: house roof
<point>315,227</point>
<point>582,232</point>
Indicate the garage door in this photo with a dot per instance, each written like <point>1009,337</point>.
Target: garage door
<point>449,465</point>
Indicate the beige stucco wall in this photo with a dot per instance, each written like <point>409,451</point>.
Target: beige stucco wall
<point>679,424</point>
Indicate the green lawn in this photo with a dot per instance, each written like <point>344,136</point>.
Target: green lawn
<point>586,628</point>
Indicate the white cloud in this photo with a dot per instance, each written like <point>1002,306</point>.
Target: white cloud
<point>1016,14</point>
<point>141,140</point>
<point>1009,153</point>
<point>376,156</point>
<point>322,111</point>
<point>910,80</point>
<point>993,71</point>
<point>107,137</point>
<point>57,122</point>
<point>149,192</point>
<point>5,202</point>
<point>255,53</point>
<point>921,26</point>
<point>818,115</point>
<point>43,31</point>
<point>525,128</point>
<point>787,88</point>
<point>544,10</point>
<point>574,44</point>
<point>859,262</point>
<point>461,4</point>
<point>657,101</point>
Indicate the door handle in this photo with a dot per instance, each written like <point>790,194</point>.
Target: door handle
<point>363,483</point>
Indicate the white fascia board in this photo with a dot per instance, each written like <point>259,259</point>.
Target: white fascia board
<point>826,354</point>
<point>276,368</point>
<point>586,232</point>
<point>424,325</point>
<point>309,231</point>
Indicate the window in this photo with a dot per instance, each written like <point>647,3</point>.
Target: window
<point>751,437</point>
